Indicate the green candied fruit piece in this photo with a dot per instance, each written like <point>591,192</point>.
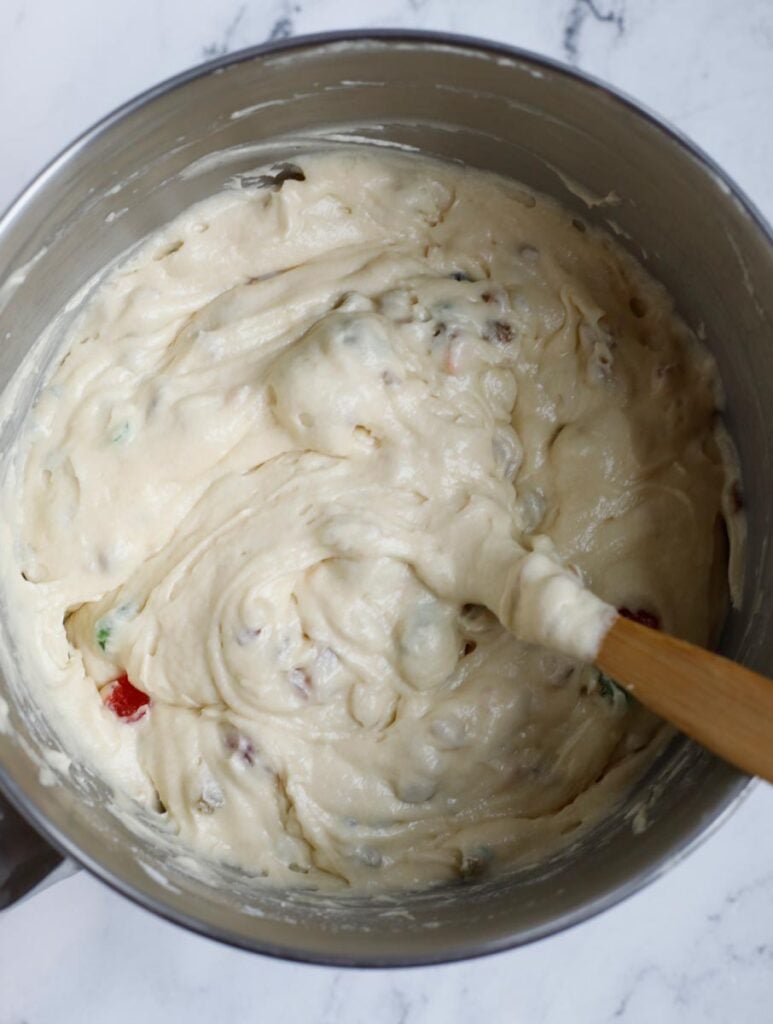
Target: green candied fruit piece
<point>102,633</point>
<point>123,433</point>
<point>104,627</point>
<point>610,690</point>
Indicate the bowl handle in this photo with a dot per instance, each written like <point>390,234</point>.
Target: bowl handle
<point>27,862</point>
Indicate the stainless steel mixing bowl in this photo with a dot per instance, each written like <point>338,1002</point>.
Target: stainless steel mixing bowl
<point>491,107</point>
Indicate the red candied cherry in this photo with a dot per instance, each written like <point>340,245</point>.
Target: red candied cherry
<point>642,616</point>
<point>125,700</point>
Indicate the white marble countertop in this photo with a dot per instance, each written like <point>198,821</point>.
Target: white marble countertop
<point>696,946</point>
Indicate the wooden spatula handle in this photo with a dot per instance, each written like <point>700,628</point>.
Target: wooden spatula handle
<point>724,706</point>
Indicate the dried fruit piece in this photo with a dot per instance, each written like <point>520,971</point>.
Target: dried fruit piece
<point>102,634</point>
<point>499,332</point>
<point>247,635</point>
<point>300,680</point>
<point>642,616</point>
<point>237,743</point>
<point>284,172</point>
<point>125,700</point>
<point>104,627</point>
<point>609,689</point>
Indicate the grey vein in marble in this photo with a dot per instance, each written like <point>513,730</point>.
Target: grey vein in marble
<point>284,25</point>
<point>225,43</point>
<point>579,12</point>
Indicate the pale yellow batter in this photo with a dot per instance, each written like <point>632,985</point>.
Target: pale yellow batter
<point>296,448</point>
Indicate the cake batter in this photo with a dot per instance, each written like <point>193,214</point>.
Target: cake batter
<point>309,521</point>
